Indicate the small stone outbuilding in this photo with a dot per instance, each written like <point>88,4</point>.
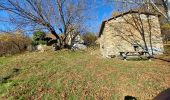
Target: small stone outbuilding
<point>131,31</point>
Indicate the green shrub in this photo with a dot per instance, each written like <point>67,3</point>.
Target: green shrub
<point>39,38</point>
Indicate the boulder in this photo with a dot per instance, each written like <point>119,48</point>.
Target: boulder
<point>43,48</point>
<point>31,48</point>
<point>78,46</point>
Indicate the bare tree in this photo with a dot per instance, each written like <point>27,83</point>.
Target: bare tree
<point>72,18</point>
<point>31,12</point>
<point>52,15</point>
<point>161,6</point>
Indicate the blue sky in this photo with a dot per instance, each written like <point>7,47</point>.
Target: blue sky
<point>101,12</point>
<point>3,18</point>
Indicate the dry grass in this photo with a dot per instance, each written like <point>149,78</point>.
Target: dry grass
<point>12,43</point>
<point>81,75</point>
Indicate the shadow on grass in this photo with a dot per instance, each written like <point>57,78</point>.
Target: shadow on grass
<point>164,95</point>
<point>136,59</point>
<point>161,59</point>
<point>145,59</point>
<point>11,74</point>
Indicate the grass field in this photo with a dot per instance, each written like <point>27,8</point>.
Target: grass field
<point>66,75</point>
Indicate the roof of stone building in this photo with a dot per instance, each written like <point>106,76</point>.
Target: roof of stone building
<point>140,10</point>
<point>49,35</point>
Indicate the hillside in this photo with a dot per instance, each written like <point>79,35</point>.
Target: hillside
<point>79,75</point>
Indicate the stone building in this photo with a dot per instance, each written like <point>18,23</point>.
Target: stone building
<point>131,31</point>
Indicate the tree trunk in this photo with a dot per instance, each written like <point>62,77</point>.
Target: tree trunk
<point>56,35</point>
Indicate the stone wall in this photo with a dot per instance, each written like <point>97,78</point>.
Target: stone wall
<point>120,34</point>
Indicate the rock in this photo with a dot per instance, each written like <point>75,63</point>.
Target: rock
<point>78,46</point>
<point>55,47</point>
<point>31,48</point>
<point>43,48</point>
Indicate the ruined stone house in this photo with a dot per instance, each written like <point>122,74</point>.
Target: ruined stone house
<point>130,31</point>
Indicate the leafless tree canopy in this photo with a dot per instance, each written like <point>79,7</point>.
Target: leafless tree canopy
<point>157,4</point>
<point>53,15</point>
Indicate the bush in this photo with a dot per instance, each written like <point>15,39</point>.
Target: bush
<point>11,43</point>
<point>39,38</point>
<point>165,28</point>
<point>167,49</point>
<point>89,39</point>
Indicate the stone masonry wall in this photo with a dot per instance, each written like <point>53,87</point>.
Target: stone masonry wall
<point>121,33</point>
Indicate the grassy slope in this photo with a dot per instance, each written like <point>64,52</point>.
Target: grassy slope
<point>77,75</point>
